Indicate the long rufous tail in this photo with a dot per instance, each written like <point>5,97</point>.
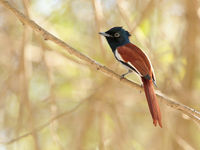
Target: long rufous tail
<point>152,101</point>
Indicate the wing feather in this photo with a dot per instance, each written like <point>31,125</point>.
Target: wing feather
<point>136,57</point>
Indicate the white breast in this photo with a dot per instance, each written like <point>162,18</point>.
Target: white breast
<point>118,56</point>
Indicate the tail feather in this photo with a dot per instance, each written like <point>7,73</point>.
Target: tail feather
<point>152,101</point>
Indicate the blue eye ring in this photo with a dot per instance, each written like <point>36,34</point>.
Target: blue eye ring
<point>116,34</point>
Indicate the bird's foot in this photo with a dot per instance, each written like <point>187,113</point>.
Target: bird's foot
<point>122,77</point>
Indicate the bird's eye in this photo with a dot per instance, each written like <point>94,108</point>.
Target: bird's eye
<point>116,35</point>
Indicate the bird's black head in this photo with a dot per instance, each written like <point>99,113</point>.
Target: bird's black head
<point>116,37</point>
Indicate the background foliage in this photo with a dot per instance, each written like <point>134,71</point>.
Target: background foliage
<point>39,80</point>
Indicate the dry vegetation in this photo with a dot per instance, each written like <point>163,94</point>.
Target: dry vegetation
<point>53,94</point>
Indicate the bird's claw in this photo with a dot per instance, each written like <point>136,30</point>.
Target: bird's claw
<point>122,77</point>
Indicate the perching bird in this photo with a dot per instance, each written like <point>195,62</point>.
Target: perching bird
<point>135,60</point>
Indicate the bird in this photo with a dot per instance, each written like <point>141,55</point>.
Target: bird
<point>135,60</point>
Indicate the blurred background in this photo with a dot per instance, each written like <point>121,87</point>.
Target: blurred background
<point>39,80</point>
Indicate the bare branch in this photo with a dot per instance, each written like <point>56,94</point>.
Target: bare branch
<point>144,14</point>
<point>97,7</point>
<point>195,115</point>
<point>45,124</point>
<point>25,80</point>
<point>65,113</point>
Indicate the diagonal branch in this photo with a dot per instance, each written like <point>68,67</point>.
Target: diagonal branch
<point>144,14</point>
<point>195,115</point>
<point>66,113</point>
<point>39,128</point>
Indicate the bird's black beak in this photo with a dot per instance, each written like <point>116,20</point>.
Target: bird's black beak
<point>105,34</point>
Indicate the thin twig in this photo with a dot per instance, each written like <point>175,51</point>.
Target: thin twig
<point>195,115</point>
<point>53,106</point>
<point>66,113</point>
<point>25,80</point>
<point>180,141</point>
<point>123,15</point>
<point>97,7</point>
<point>144,14</point>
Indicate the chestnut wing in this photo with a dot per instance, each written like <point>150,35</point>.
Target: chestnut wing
<point>136,58</point>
